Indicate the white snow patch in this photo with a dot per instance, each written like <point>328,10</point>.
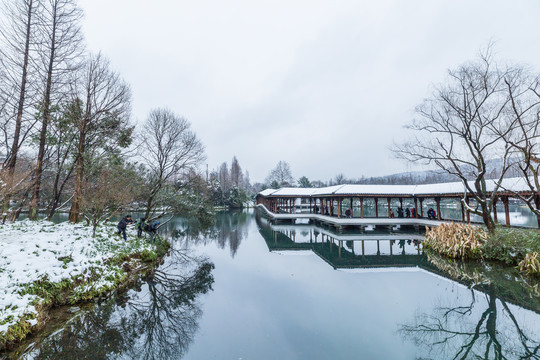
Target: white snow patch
<point>42,250</point>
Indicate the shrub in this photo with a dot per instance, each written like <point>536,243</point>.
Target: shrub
<point>510,245</point>
<point>457,241</point>
<point>148,256</point>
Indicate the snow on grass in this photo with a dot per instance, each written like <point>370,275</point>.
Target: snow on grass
<point>43,252</point>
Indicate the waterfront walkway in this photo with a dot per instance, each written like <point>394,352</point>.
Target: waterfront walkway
<point>344,222</point>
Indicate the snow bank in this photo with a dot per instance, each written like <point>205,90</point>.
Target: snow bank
<point>32,251</point>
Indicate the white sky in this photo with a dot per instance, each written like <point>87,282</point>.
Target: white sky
<point>325,85</point>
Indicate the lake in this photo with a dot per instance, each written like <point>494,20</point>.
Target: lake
<point>248,289</point>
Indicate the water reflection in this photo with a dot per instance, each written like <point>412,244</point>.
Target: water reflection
<point>490,323</point>
<point>497,318</point>
<point>156,320</point>
<point>229,229</point>
<point>267,306</point>
<point>349,249</point>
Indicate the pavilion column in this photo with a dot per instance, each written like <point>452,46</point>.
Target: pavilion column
<point>401,203</point>
<point>376,207</point>
<point>361,207</point>
<point>438,201</point>
<point>495,210</point>
<point>310,205</point>
<point>506,210</point>
<point>389,208</point>
<point>415,207</point>
<point>339,209</point>
<point>421,207</point>
<point>351,208</point>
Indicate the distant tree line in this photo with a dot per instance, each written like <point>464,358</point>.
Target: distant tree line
<point>230,186</point>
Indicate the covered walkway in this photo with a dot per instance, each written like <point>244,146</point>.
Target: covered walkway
<point>361,205</point>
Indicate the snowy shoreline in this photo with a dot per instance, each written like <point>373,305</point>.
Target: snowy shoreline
<point>43,264</point>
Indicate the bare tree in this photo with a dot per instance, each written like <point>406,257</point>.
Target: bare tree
<point>113,188</point>
<point>461,128</point>
<point>281,174</point>
<point>17,36</point>
<point>102,99</point>
<point>224,177</point>
<point>340,179</point>
<point>60,51</point>
<point>524,120</point>
<point>169,148</point>
<point>236,172</point>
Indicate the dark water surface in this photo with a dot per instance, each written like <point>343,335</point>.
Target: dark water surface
<point>246,289</point>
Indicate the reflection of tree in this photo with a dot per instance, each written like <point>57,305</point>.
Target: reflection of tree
<point>229,229</point>
<point>165,318</point>
<point>88,337</point>
<point>158,320</point>
<point>476,330</point>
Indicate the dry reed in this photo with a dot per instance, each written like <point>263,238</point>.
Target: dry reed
<point>457,241</point>
<point>531,264</point>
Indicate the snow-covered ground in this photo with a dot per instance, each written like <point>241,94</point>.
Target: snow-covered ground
<point>32,251</point>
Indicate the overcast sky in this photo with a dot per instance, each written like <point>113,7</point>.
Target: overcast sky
<point>325,85</point>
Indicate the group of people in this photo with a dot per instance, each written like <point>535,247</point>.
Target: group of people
<point>141,225</point>
<point>409,213</point>
<point>432,214</point>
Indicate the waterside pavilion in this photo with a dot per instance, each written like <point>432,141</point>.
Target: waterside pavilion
<point>290,204</point>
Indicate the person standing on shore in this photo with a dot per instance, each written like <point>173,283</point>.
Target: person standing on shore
<point>140,226</point>
<point>126,220</point>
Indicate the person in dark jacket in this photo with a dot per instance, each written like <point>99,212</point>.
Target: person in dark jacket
<point>407,213</point>
<point>126,220</point>
<point>140,226</point>
<point>151,228</point>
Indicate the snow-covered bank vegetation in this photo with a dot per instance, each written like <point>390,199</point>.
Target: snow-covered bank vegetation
<point>44,264</point>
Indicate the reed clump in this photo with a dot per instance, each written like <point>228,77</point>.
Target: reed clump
<point>531,264</point>
<point>457,241</point>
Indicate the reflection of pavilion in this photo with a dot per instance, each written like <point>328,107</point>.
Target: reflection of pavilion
<point>373,249</point>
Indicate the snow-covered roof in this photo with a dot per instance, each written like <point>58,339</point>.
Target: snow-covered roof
<point>267,192</point>
<point>509,184</point>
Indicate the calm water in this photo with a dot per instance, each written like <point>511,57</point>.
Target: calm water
<point>246,289</point>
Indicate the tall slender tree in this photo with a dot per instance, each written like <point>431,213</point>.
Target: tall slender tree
<point>61,48</point>
<point>17,36</point>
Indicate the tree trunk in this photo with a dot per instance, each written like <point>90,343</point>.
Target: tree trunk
<point>79,178</point>
<point>12,161</point>
<point>33,209</point>
<point>486,217</point>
